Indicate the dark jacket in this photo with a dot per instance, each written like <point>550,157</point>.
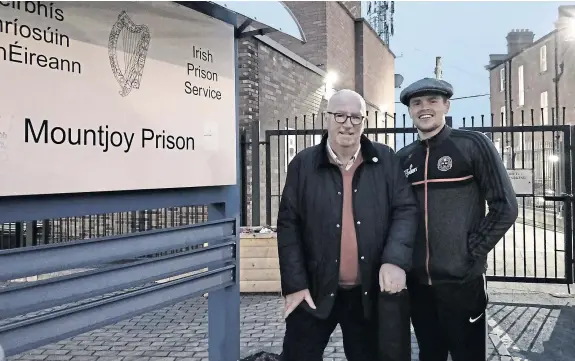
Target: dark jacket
<point>310,214</point>
<point>454,174</point>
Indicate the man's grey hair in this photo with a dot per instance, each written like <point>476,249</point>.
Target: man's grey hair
<point>347,94</point>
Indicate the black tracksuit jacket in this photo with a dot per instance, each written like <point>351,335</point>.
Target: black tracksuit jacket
<point>454,174</point>
<point>310,215</point>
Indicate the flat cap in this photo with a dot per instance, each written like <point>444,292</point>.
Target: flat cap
<point>426,86</point>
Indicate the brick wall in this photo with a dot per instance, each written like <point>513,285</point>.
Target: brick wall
<point>288,91</point>
<point>335,43</point>
<point>312,18</point>
<point>249,102</point>
<point>378,73</point>
<point>341,44</point>
<point>275,86</point>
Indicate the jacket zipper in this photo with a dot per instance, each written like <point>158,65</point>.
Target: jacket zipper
<point>353,188</point>
<point>426,216</point>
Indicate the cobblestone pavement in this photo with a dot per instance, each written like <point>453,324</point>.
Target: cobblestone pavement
<point>523,326</point>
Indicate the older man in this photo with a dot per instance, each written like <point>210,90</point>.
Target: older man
<point>454,172</point>
<point>346,226</point>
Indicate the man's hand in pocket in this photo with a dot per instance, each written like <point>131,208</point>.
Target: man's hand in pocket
<point>293,300</point>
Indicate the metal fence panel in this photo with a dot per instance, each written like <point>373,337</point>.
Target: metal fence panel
<point>539,247</point>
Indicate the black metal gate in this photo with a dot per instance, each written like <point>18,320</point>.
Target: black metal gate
<point>539,247</point>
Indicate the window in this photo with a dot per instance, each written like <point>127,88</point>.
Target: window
<point>501,79</point>
<point>543,58</point>
<point>290,145</point>
<point>544,109</point>
<point>503,116</point>
<point>521,86</point>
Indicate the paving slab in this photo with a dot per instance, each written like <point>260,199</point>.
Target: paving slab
<point>179,333</point>
<point>526,322</point>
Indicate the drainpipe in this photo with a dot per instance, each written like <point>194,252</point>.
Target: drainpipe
<point>557,75</point>
<point>510,120</point>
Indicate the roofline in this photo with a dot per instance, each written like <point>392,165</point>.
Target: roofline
<point>541,39</point>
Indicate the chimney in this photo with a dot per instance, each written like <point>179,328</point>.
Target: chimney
<point>519,39</point>
<point>566,16</point>
<point>495,59</point>
<point>566,11</point>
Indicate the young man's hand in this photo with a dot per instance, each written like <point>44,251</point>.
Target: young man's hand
<point>293,300</point>
<point>391,278</point>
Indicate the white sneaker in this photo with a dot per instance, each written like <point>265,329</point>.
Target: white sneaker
<point>2,357</point>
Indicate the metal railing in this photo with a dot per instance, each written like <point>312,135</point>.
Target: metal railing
<point>539,247</point>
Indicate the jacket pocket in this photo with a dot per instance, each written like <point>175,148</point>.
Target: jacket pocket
<point>449,254</point>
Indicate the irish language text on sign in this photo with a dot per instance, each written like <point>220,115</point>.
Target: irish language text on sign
<point>114,96</point>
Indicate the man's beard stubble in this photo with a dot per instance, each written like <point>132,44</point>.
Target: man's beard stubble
<point>430,129</point>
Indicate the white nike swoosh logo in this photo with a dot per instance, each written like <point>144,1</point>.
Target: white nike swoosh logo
<point>472,320</point>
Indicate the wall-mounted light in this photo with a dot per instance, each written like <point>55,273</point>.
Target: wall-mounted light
<point>554,158</point>
<point>331,77</point>
<point>330,80</point>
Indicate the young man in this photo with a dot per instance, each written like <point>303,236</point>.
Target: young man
<point>346,226</point>
<point>454,173</point>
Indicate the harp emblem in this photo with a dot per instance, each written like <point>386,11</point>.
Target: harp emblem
<point>131,42</point>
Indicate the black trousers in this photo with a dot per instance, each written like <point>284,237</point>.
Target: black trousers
<point>307,336</point>
<point>450,318</point>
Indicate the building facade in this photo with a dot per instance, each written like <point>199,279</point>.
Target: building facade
<point>534,84</point>
<point>524,78</point>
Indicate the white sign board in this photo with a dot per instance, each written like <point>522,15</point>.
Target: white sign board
<point>522,180</point>
<point>108,96</point>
